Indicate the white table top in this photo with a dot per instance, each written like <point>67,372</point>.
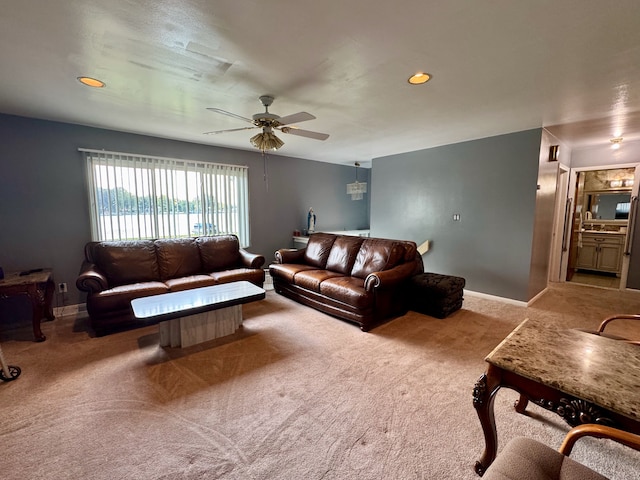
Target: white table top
<point>196,300</point>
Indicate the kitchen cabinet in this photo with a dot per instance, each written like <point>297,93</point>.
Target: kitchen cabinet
<point>601,252</point>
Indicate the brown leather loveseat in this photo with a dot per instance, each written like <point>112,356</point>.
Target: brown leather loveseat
<point>114,273</point>
<point>362,280</point>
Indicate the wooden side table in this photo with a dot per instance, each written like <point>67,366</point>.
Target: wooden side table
<point>38,286</point>
<point>583,378</point>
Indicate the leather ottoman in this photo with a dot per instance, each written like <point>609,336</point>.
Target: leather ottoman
<point>435,295</point>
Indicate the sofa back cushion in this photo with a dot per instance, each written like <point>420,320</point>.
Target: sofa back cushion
<point>126,262</point>
<point>377,254</point>
<point>177,257</point>
<point>410,251</point>
<point>343,254</point>
<point>219,252</point>
<point>318,249</point>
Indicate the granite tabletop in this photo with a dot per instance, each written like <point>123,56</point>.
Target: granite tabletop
<point>597,369</point>
<point>40,275</point>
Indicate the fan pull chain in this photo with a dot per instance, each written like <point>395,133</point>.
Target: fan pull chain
<point>266,174</point>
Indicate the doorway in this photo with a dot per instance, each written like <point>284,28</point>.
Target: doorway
<point>598,226</point>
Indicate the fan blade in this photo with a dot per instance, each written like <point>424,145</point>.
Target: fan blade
<point>305,133</point>
<point>229,114</point>
<point>229,130</point>
<point>295,118</point>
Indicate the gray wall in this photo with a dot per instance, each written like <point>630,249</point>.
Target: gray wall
<point>44,220</point>
<point>490,182</point>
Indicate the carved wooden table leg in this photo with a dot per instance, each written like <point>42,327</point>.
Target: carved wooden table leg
<point>521,404</point>
<point>37,297</point>
<point>49,290</point>
<point>484,394</point>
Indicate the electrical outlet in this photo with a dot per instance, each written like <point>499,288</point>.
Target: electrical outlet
<point>62,287</point>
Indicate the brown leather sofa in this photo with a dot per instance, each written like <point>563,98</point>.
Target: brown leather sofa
<point>114,273</point>
<point>362,280</point>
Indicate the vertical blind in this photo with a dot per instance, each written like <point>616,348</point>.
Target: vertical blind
<point>143,197</point>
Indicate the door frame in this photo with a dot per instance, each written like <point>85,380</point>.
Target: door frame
<point>570,196</point>
<point>559,224</point>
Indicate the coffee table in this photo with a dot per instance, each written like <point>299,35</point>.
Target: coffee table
<point>582,377</point>
<point>194,316</point>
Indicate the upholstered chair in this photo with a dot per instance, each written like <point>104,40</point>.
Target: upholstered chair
<point>527,459</point>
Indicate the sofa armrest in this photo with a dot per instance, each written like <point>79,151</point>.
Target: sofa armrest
<point>389,278</point>
<point>251,260</point>
<point>90,279</point>
<point>290,255</point>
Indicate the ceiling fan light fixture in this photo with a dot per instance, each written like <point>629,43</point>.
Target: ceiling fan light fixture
<point>266,141</point>
<point>269,122</point>
<point>419,78</point>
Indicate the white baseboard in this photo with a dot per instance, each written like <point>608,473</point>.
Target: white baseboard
<point>69,310</point>
<point>511,301</point>
<point>530,302</point>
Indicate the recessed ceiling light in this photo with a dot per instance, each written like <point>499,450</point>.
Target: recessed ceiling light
<point>419,78</point>
<point>91,82</point>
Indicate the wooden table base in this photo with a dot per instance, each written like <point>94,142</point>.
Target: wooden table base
<point>574,411</point>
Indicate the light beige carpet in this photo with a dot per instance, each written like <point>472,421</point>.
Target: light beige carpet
<point>295,395</point>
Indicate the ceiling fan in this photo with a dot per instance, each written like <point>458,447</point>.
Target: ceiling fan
<point>269,122</point>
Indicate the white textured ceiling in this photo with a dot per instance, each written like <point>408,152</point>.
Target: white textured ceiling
<point>498,66</point>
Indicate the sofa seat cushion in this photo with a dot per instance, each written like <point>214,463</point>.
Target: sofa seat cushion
<point>219,252</point>
<point>191,281</point>
<point>311,279</point>
<point>287,271</point>
<point>127,262</point>
<point>253,275</point>
<point>120,297</point>
<point>348,290</point>
<point>178,257</point>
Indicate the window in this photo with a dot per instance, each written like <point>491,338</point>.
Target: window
<point>142,197</point>
<point>622,210</point>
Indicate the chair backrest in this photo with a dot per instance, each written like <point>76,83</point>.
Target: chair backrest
<point>530,459</point>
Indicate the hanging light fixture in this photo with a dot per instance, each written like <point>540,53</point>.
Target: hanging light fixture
<point>266,140</point>
<point>356,189</point>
